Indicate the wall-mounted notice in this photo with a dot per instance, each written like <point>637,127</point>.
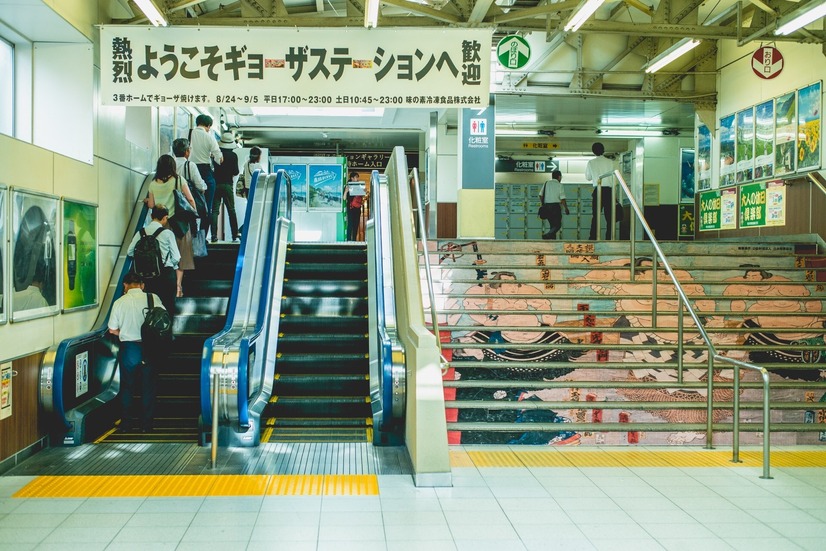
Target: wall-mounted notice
<point>710,210</point>
<point>753,205</point>
<point>727,144</point>
<point>686,225</point>
<point>776,203</point>
<point>728,209</point>
<point>5,390</point>
<point>82,373</point>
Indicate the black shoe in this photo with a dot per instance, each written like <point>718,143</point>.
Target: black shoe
<point>546,236</point>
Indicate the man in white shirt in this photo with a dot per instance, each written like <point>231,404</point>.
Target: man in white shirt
<point>166,284</point>
<point>125,321</point>
<point>553,195</point>
<point>594,172</point>
<point>205,151</point>
<point>182,150</point>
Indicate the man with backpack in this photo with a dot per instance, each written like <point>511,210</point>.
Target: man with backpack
<point>127,321</point>
<point>155,258</point>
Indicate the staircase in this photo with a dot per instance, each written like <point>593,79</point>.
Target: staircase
<point>558,344</point>
<point>321,391</point>
<point>201,313</point>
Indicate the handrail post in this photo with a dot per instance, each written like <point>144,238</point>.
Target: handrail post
<point>710,402</point>
<point>766,425</point>
<point>598,209</point>
<point>654,300</point>
<point>735,418</point>
<point>214,440</point>
<point>680,343</point>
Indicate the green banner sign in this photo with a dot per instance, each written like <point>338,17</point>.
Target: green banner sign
<point>513,52</point>
<point>752,205</point>
<point>710,206</point>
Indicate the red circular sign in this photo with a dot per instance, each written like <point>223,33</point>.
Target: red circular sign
<point>767,62</point>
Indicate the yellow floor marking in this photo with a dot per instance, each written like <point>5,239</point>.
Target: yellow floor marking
<point>129,485</point>
<point>240,485</point>
<point>296,485</point>
<point>265,437</point>
<point>639,458</point>
<point>494,459</point>
<point>351,485</point>
<point>105,435</point>
<point>460,458</point>
<point>60,486</point>
<point>707,458</point>
<point>185,485</point>
<point>811,458</point>
<point>544,459</point>
<point>593,459</point>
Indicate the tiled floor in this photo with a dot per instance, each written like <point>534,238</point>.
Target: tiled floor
<point>542,508</point>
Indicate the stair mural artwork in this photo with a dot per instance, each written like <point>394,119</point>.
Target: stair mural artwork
<point>562,336</point>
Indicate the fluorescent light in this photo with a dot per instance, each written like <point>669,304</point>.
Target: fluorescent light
<point>585,11</point>
<point>371,13</point>
<point>622,120</point>
<point>516,132</point>
<point>801,17</point>
<point>151,12</point>
<point>631,133</point>
<point>516,117</point>
<point>681,47</point>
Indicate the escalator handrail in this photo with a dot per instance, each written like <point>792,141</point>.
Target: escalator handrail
<point>268,309</point>
<point>53,367</point>
<point>385,305</point>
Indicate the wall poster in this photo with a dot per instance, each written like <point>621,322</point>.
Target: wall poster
<point>686,176</point>
<point>298,183</point>
<point>744,152</point>
<point>6,373</point>
<point>776,203</point>
<point>753,205</point>
<point>764,140</point>
<point>727,144</point>
<point>728,209</point>
<point>785,131</point>
<point>4,257</point>
<point>34,255</point>
<point>685,227</point>
<point>709,210</point>
<point>703,166</point>
<point>808,127</point>
<point>79,265</point>
<point>326,186</point>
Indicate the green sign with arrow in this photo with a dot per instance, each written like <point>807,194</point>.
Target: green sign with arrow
<point>513,52</point>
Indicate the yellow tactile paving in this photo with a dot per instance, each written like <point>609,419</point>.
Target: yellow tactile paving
<point>184,485</point>
<point>494,459</point>
<point>460,458</point>
<point>707,458</point>
<point>811,458</point>
<point>593,459</point>
<point>638,458</point>
<point>127,485</point>
<point>61,486</point>
<point>240,485</point>
<point>351,485</point>
<point>544,459</point>
<point>296,485</point>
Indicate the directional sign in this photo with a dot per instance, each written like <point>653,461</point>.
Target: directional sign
<point>767,62</point>
<point>513,52</point>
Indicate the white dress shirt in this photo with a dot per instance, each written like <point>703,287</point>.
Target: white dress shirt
<point>553,192</point>
<point>204,146</point>
<point>129,312</point>
<point>170,254</point>
<point>598,166</point>
<point>191,171</point>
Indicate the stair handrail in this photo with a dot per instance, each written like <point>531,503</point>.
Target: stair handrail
<point>53,365</point>
<point>434,317</point>
<point>712,351</point>
<point>387,372</point>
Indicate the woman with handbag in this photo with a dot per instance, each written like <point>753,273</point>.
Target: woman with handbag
<point>168,189</point>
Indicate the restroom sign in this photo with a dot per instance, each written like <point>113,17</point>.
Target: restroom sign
<point>767,62</point>
<point>513,52</point>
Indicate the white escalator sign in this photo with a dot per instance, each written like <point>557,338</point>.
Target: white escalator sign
<point>82,373</point>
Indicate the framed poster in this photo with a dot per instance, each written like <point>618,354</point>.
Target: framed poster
<point>752,205</point>
<point>34,255</point>
<point>686,176</point>
<point>685,228</point>
<point>776,203</point>
<point>326,186</point>
<point>651,195</point>
<point>79,259</point>
<point>709,210</point>
<point>808,127</point>
<point>785,133</point>
<point>728,209</point>
<point>4,257</point>
<point>703,165</point>
<point>764,140</point>
<point>727,153</point>
<point>744,152</point>
<point>298,183</point>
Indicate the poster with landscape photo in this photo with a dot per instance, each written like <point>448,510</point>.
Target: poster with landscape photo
<point>764,140</point>
<point>808,127</point>
<point>745,145</point>
<point>727,146</point>
<point>703,165</point>
<point>785,131</point>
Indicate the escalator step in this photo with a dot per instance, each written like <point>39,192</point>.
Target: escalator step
<point>325,271</point>
<point>313,406</point>
<point>325,287</point>
<point>323,363</point>
<point>292,343</point>
<point>295,323</point>
<point>324,306</point>
<point>321,385</point>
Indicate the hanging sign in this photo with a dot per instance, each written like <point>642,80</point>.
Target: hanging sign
<point>513,52</point>
<point>508,165</point>
<point>767,62</point>
<point>295,67</point>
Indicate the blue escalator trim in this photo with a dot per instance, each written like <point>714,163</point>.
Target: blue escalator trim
<point>209,343</point>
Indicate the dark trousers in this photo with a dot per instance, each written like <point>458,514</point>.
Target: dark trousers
<point>209,179</point>
<point>353,221</point>
<point>132,368</point>
<point>166,287</point>
<point>224,193</point>
<point>554,220</point>
<point>607,208</point>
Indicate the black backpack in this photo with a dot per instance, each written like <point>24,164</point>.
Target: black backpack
<point>147,255</point>
<point>156,331</point>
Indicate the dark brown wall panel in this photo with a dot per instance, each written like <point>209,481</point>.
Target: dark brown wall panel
<point>446,220</point>
<point>21,429</point>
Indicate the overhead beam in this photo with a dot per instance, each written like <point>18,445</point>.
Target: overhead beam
<point>480,10</point>
<point>423,10</point>
<point>764,7</point>
<point>178,6</point>
<point>530,13</point>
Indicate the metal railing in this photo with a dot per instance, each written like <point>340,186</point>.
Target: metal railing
<point>712,351</point>
<point>434,318</point>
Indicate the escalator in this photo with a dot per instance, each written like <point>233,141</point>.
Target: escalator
<point>201,313</point>
<point>321,389</point>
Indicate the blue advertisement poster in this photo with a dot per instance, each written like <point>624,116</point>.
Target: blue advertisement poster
<point>703,166</point>
<point>298,178</point>
<point>727,167</point>
<point>326,183</point>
